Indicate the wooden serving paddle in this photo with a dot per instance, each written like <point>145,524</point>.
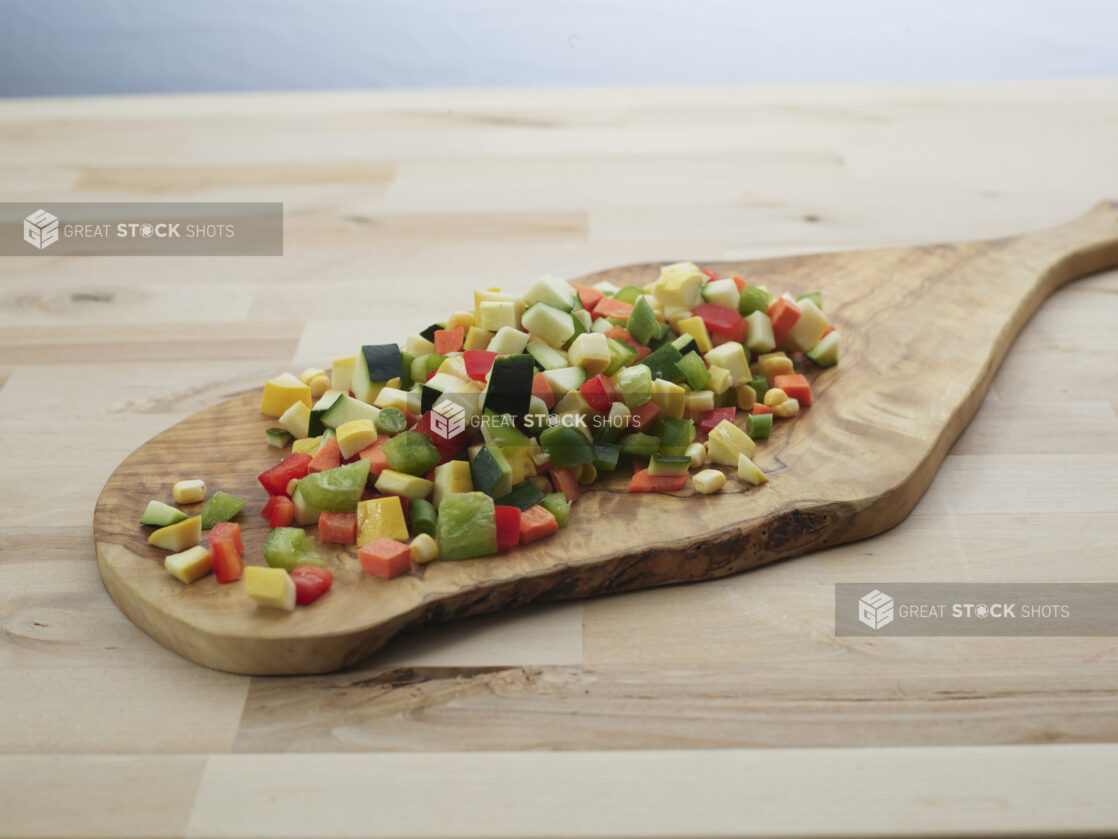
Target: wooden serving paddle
<point>923,331</point>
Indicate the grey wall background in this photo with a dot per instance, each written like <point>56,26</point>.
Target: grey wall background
<point>65,47</point>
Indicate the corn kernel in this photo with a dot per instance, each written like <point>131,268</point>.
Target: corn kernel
<point>463,319</point>
<point>746,395</point>
<point>775,396</point>
<point>294,482</point>
<point>698,454</point>
<point>189,492</point>
<point>308,375</point>
<point>424,549</point>
<point>589,474</point>
<point>319,385</point>
<point>787,408</point>
<point>708,481</point>
<point>774,364</point>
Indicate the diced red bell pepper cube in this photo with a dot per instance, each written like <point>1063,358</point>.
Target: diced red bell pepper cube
<point>720,320</point>
<point>478,363</point>
<point>712,275</point>
<point>449,340</point>
<point>543,390</point>
<point>566,482</point>
<point>508,526</point>
<point>644,417</point>
<point>337,527</point>
<point>329,457</point>
<point>739,282</point>
<point>228,566</point>
<point>796,386</point>
<point>642,481</point>
<point>714,416</point>
<point>385,558</point>
<point>432,373</point>
<point>374,453</point>
<point>275,480</point>
<point>588,296</point>
<point>607,307</point>
<point>227,531</point>
<point>311,582</point>
<point>271,505</point>
<point>761,409</point>
<point>599,392</point>
<point>535,523</point>
<point>283,513</point>
<point>783,313</point>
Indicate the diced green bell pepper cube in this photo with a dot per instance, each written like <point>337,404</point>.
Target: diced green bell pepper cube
<point>675,434</point>
<point>221,507</point>
<point>760,385</point>
<point>287,547</point>
<point>639,445</point>
<point>621,355</point>
<point>524,495</point>
<point>663,362</point>
<point>411,453</point>
<point>422,517</point>
<point>557,504</point>
<point>694,370</point>
<point>433,360</point>
<point>668,464</point>
<point>758,426</point>
<point>605,456</point>
<point>753,299</point>
<point>391,421</point>
<point>467,526</point>
<point>642,321</point>
<point>567,446</point>
<point>490,471</point>
<point>629,294</point>
<point>278,437</point>
<point>336,489</point>
<point>162,515</point>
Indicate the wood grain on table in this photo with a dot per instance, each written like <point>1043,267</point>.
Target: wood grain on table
<point>386,193</point>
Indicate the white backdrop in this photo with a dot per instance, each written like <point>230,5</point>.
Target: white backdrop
<point>120,46</point>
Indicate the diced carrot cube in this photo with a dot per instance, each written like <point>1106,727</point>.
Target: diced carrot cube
<point>449,340</point>
<point>761,409</point>
<point>337,527</point>
<point>796,386</point>
<point>588,296</point>
<point>783,313</point>
<point>374,453</point>
<point>607,307</point>
<point>535,523</point>
<point>329,456</point>
<point>642,481</point>
<point>385,558</point>
<point>566,482</point>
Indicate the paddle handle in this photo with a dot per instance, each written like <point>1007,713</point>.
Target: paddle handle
<point>1069,251</point>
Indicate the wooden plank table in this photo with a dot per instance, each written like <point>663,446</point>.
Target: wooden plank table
<point>711,709</point>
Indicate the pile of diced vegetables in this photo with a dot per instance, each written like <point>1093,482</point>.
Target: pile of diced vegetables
<point>478,435</point>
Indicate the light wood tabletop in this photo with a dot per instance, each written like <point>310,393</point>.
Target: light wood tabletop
<point>720,708</point>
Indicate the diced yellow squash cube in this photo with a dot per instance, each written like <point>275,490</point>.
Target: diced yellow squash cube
<point>452,477</point>
<point>670,397</point>
<point>720,379</point>
<point>392,397</point>
<point>424,549</point>
<point>522,465</point>
<point>726,441</point>
<point>270,587</point>
<point>455,366</point>
<point>590,351</point>
<point>308,445</point>
<point>188,492</point>
<point>191,564</point>
<point>699,402</point>
<point>493,315</point>
<point>508,341</point>
<point>417,345</point>
<point>477,339</point>
<point>391,482</point>
<point>697,329</point>
<point>178,537</point>
<point>773,364</point>
<point>494,295</point>
<point>572,402</point>
<point>381,518</point>
<point>355,435</point>
<point>297,420</point>
<point>281,393</point>
<point>807,331</point>
<point>749,472</point>
<point>730,357</point>
<point>679,286</point>
<point>341,373</point>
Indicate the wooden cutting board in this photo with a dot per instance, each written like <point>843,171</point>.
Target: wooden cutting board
<point>924,329</point>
